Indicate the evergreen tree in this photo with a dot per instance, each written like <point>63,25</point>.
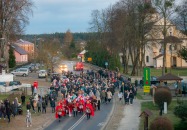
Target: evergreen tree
<point>12,58</point>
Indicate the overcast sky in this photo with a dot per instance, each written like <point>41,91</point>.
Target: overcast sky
<point>50,16</point>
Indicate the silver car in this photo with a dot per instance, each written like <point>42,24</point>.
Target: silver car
<point>21,72</point>
<point>42,74</point>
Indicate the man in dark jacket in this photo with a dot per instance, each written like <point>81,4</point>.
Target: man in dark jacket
<point>13,108</point>
<point>23,98</point>
<point>53,105</point>
<point>8,112</point>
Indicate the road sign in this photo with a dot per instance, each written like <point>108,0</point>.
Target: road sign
<point>106,63</point>
<point>147,82</point>
<point>89,59</point>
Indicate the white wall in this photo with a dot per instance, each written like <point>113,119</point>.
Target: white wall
<point>6,77</point>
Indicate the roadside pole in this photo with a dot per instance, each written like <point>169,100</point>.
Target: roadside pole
<point>123,95</point>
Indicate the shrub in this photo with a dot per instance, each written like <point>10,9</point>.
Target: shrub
<point>182,125</point>
<point>181,111</point>
<point>162,95</point>
<point>157,88</point>
<point>161,123</point>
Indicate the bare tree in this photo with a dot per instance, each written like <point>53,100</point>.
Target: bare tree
<point>165,8</point>
<point>14,16</point>
<point>50,53</point>
<point>181,18</point>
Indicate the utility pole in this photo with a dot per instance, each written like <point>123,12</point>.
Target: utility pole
<point>34,53</point>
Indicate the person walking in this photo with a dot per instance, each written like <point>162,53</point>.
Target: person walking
<point>52,105</point>
<point>32,103</point>
<point>43,106</point>
<point>28,119</point>
<point>120,95</point>
<point>16,105</point>
<point>89,109</point>
<point>28,106</point>
<point>8,112</point>
<point>23,98</point>
<point>131,97</point>
<point>103,96</point>
<point>88,112</point>
<point>98,99</point>
<point>109,96</point>
<point>13,108</point>
<point>2,110</point>
<point>39,105</point>
<point>58,113</point>
<point>75,108</point>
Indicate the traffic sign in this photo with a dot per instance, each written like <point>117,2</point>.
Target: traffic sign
<point>147,82</point>
<point>89,59</point>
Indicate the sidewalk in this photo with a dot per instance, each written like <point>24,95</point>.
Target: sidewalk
<point>131,119</point>
<point>124,117</point>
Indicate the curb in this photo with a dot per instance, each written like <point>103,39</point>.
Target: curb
<point>111,114</point>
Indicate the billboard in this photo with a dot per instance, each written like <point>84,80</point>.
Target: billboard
<point>147,80</point>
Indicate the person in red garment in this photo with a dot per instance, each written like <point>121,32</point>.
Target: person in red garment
<point>81,105</point>
<point>58,113</point>
<point>89,109</point>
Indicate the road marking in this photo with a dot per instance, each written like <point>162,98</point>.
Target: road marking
<point>101,124</point>
<point>77,123</point>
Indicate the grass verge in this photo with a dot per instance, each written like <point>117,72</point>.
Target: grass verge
<point>155,110</point>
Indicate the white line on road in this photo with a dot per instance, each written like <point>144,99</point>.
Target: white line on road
<point>101,124</point>
<point>77,123</point>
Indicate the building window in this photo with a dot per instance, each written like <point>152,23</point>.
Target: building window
<point>147,59</point>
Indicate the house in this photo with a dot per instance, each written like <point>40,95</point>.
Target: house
<point>28,47</point>
<point>20,54</point>
<point>154,47</point>
<point>81,55</point>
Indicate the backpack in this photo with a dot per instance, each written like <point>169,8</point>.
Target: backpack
<point>43,104</point>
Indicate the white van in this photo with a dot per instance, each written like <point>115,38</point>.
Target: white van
<point>21,72</point>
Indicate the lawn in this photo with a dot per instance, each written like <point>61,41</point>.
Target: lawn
<point>158,72</point>
<point>175,71</point>
<point>154,109</point>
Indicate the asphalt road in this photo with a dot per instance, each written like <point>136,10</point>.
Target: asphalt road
<point>81,123</point>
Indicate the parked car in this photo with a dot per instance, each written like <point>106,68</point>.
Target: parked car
<point>12,83</point>
<point>153,80</point>
<point>21,72</point>
<point>42,74</point>
<point>3,84</point>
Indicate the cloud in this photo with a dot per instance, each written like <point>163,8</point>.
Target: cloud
<point>59,15</point>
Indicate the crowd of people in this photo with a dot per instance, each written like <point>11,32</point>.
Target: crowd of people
<point>75,94</point>
<point>8,109</point>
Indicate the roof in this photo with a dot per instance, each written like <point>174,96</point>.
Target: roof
<point>171,39</point>
<point>20,41</point>
<point>160,55</point>
<point>19,49</point>
<point>168,76</point>
<point>146,113</point>
<point>83,52</point>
